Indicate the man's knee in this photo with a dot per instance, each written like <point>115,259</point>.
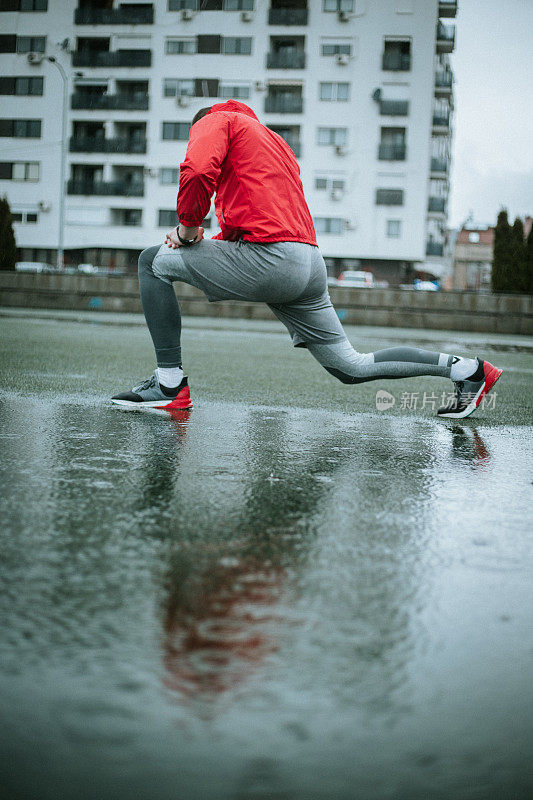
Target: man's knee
<point>146,259</point>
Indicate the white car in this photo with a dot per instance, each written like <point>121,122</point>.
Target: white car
<point>426,286</point>
<point>33,266</point>
<point>356,278</point>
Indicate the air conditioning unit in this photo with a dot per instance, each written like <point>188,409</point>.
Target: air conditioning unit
<point>342,58</point>
<point>247,16</point>
<point>351,224</point>
<point>340,149</point>
<point>337,194</point>
<point>344,16</point>
<point>35,58</point>
<point>183,100</point>
<point>260,86</point>
<point>44,205</point>
<point>187,13</point>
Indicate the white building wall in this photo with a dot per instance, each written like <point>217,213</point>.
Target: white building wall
<point>88,218</point>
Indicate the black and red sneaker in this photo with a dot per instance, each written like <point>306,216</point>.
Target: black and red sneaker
<point>470,392</point>
<point>152,395</point>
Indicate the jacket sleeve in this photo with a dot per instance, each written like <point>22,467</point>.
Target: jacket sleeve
<point>208,146</point>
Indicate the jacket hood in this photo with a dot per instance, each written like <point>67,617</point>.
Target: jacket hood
<point>235,106</point>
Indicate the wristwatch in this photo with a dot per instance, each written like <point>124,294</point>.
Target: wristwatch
<point>185,242</point>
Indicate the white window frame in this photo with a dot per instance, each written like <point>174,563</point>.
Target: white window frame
<point>330,181</point>
<point>334,91</point>
<point>336,137</point>
<point>393,225</point>
<point>175,178</point>
<point>226,85</point>
<point>226,39</point>
<point>181,40</point>
<point>178,85</point>
<point>339,48</point>
<point>335,6</point>
<point>26,167</point>
<point>326,229</point>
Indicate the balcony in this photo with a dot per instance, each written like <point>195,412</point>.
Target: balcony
<point>110,102</point>
<point>437,205</point>
<point>98,144</point>
<point>121,188</point>
<point>287,16</point>
<point>443,82</point>
<point>394,108</point>
<point>389,197</point>
<point>447,8</point>
<point>392,152</point>
<point>434,249</point>
<point>284,104</point>
<point>439,166</point>
<point>127,15</point>
<point>441,120</point>
<point>278,60</point>
<point>108,58</point>
<point>445,38</point>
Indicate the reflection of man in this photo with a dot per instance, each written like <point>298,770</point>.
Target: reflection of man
<point>266,252</point>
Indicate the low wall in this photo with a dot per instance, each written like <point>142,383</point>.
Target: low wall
<point>457,311</point>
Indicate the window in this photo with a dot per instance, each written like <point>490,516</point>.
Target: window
<point>180,46</point>
<point>335,91</point>
<point>208,43</point>
<point>33,5</point>
<point>332,225</point>
<point>233,90</point>
<point>238,5</point>
<point>21,86</point>
<point>334,136</point>
<point>232,45</point>
<point>397,56</point>
<point>327,183</point>
<point>19,171</point>
<point>167,218</point>
<point>174,87</point>
<point>169,176</point>
<point>31,44</point>
<point>8,43</point>
<point>337,5</point>
<point>24,216</point>
<point>336,49</point>
<point>394,228</point>
<point>178,5</point>
<point>389,197</point>
<point>21,128</point>
<point>393,145</point>
<point>176,130</point>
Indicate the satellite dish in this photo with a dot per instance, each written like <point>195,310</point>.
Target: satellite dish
<point>376,95</point>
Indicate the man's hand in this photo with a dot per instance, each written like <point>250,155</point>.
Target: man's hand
<point>171,239</point>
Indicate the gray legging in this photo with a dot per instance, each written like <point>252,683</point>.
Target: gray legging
<point>337,356</point>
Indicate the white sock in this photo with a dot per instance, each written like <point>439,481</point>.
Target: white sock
<point>463,368</point>
<point>169,376</point>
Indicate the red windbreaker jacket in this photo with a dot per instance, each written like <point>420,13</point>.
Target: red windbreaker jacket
<point>259,194</point>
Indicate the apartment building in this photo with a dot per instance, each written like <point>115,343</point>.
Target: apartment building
<point>97,97</point>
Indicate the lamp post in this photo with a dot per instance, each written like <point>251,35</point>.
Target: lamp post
<point>64,78</point>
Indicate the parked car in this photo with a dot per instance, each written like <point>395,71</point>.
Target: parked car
<point>87,269</point>
<point>356,278</point>
<point>33,266</point>
<point>426,286</point>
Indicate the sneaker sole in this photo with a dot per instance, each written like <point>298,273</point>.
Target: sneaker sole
<point>158,405</point>
<point>490,380</point>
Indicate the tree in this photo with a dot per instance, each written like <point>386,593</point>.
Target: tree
<point>8,246</point>
<point>502,261</point>
<point>529,261</point>
<point>518,248</point>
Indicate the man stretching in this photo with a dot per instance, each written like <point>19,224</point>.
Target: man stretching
<point>266,252</point>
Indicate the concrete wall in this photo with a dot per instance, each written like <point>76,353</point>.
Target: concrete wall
<point>457,311</point>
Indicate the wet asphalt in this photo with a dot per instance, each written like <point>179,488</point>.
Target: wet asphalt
<point>285,593</point>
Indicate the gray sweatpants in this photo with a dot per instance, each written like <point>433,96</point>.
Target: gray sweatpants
<point>290,277</point>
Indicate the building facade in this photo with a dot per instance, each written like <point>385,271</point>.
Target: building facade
<point>361,90</point>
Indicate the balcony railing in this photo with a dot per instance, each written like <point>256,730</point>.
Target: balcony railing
<point>394,108</point>
<point>392,152</point>
<point>437,204</point>
<point>287,16</point>
<point>444,79</point>
<point>98,144</point>
<point>127,15</point>
<point>284,105</point>
<point>434,249</point>
<point>89,187</point>
<point>286,60</point>
<point>445,38</point>
<point>107,58</point>
<point>447,8</point>
<point>121,102</point>
<point>441,120</point>
<point>396,62</point>
<point>439,165</point>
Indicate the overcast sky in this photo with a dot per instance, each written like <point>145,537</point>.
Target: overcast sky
<point>493,135</point>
